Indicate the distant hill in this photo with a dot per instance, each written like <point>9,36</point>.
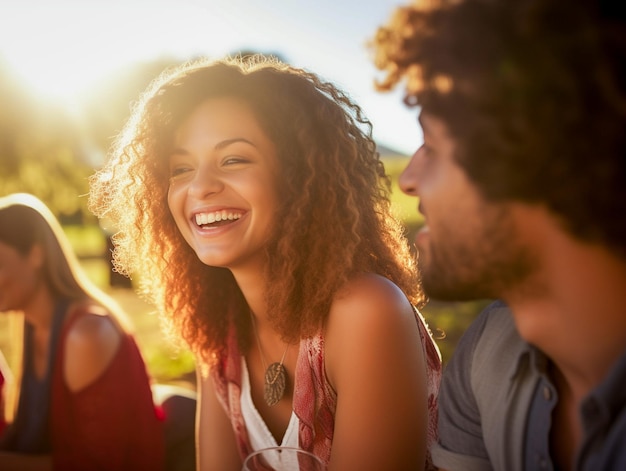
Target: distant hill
<point>387,152</point>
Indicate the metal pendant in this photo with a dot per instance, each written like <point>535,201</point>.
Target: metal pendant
<point>275,383</point>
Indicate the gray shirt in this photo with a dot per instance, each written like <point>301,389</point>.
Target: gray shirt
<point>496,401</point>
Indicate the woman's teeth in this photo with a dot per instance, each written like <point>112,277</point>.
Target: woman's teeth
<point>216,216</point>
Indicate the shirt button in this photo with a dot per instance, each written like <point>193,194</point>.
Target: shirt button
<point>547,393</point>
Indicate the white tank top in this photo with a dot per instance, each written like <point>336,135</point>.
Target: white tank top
<point>258,433</point>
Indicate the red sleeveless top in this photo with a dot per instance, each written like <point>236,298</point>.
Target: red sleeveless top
<point>112,424</point>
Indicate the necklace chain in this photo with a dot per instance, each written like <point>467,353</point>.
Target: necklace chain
<point>275,373</point>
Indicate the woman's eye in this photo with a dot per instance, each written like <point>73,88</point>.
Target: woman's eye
<point>234,159</point>
<point>178,172</point>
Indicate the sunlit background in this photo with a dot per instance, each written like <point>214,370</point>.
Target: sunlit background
<point>62,49</point>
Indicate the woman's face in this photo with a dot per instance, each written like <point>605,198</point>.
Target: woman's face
<point>19,277</point>
<point>223,191</point>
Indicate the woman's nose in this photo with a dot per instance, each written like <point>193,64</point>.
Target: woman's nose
<point>205,182</point>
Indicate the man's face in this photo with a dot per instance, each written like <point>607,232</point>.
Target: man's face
<point>469,247</point>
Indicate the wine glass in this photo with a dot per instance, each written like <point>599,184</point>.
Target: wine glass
<point>282,458</point>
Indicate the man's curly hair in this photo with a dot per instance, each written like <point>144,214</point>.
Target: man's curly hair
<point>333,222</point>
<point>534,93</point>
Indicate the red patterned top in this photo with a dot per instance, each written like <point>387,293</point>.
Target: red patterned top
<point>314,400</point>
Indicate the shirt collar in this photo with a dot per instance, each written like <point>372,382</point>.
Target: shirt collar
<point>611,393</point>
<point>530,356</point>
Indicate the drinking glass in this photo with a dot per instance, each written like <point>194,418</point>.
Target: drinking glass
<point>282,458</point>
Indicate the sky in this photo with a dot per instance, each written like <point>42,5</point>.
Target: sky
<point>60,48</point>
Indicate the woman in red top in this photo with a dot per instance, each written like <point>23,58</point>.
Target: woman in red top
<point>84,401</point>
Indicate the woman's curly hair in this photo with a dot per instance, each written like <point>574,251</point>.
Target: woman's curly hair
<point>534,92</point>
<point>333,220</point>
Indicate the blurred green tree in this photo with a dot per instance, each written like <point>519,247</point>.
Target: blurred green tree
<point>40,152</point>
<point>109,103</point>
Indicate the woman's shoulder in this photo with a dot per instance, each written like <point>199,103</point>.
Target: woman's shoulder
<point>370,293</point>
<point>91,326</point>
<point>91,342</point>
<point>370,318</point>
<point>367,304</point>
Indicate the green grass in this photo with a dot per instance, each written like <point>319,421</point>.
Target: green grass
<point>404,206</point>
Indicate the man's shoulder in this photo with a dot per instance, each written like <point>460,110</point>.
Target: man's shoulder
<point>480,417</point>
<point>497,338</point>
<point>485,395</point>
<point>491,331</point>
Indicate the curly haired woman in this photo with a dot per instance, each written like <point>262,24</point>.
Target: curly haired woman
<point>251,200</point>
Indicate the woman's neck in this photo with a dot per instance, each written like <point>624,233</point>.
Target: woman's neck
<point>253,287</point>
<point>40,309</point>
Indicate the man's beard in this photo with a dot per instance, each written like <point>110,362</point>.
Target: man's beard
<point>483,263</point>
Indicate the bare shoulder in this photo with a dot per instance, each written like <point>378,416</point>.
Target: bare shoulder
<point>370,314</point>
<point>90,346</point>
<point>95,331</point>
<point>371,298</point>
<point>374,356</point>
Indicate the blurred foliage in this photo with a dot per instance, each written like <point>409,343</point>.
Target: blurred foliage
<point>448,321</point>
<point>109,104</point>
<point>40,150</point>
<point>170,364</point>
<point>404,206</point>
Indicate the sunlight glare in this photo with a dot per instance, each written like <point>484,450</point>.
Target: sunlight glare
<point>60,51</point>
<point>56,59</point>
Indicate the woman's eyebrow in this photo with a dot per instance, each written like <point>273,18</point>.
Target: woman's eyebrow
<point>220,145</point>
<point>227,142</point>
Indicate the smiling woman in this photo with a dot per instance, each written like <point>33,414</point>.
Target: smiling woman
<point>300,309</point>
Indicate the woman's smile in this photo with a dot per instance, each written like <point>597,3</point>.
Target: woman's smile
<point>216,218</point>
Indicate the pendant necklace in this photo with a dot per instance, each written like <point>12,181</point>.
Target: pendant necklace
<point>275,374</point>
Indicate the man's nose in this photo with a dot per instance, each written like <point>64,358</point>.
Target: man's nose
<point>407,181</point>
